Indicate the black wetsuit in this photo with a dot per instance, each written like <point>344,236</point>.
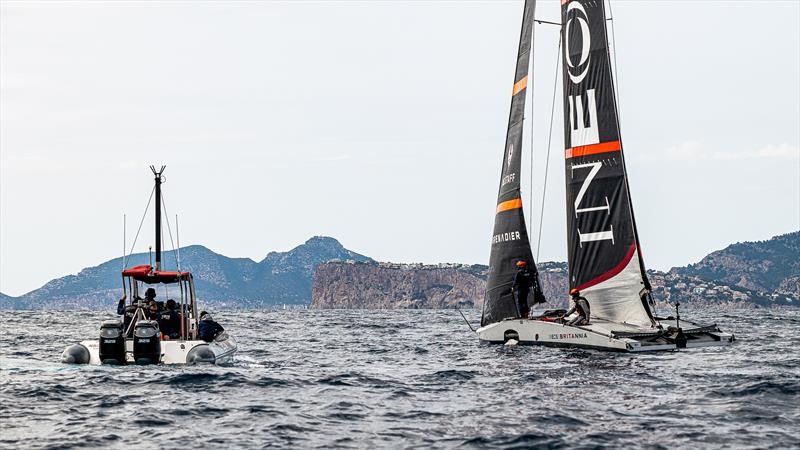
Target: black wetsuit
<point>169,323</point>
<point>208,329</point>
<point>522,285</point>
<point>128,311</point>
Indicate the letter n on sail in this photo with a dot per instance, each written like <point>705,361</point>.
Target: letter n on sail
<point>604,261</point>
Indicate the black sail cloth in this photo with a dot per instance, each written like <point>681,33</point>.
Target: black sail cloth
<point>510,242</point>
<point>605,261</point>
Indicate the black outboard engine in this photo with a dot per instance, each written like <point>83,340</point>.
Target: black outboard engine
<point>146,342</point>
<point>112,343</point>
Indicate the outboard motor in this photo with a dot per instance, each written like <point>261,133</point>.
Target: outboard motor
<point>146,342</point>
<point>112,343</point>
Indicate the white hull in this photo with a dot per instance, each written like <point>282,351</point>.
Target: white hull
<point>173,352</point>
<point>602,335</point>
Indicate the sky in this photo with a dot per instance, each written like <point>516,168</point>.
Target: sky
<point>378,123</point>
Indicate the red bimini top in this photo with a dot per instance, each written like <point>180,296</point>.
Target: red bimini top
<point>146,274</point>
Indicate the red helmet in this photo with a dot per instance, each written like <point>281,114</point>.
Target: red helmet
<point>521,264</point>
<point>574,291</point>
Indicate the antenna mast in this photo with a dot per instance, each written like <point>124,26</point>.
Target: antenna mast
<point>159,179</point>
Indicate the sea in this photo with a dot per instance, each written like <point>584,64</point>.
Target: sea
<point>401,379</point>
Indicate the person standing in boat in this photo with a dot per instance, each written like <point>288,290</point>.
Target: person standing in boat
<point>521,287</point>
<point>208,329</point>
<point>581,306</point>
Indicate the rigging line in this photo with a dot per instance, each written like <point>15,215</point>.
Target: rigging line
<point>616,71</point>
<point>169,229</point>
<point>549,142</point>
<point>178,240</point>
<point>530,203</point>
<point>140,226</point>
<point>546,21</point>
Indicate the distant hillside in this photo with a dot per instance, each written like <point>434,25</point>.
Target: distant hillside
<point>742,275</point>
<point>770,268</point>
<point>230,282</point>
<point>373,285</point>
<point>746,274</point>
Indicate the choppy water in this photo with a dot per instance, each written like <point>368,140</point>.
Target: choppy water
<point>401,379</point>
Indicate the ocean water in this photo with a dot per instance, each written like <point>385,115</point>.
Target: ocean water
<point>401,379</point>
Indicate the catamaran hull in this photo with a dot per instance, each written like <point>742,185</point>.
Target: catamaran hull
<point>601,335</point>
<point>172,352</point>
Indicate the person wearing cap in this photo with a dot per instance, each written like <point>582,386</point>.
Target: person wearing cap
<point>581,306</point>
<point>521,287</point>
<point>208,329</point>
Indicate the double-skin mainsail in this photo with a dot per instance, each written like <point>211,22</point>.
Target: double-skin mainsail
<point>605,261</point>
<point>510,238</point>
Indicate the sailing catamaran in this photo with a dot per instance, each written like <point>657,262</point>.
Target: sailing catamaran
<point>138,338</point>
<point>604,255</point>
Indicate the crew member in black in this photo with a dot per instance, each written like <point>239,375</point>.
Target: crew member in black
<point>208,329</point>
<point>169,321</point>
<point>152,310</point>
<point>129,311</point>
<point>581,305</point>
<point>521,287</point>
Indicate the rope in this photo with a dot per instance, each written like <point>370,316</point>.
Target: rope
<point>530,202</point>
<point>169,229</point>
<point>616,71</point>
<point>549,142</point>
<point>140,226</point>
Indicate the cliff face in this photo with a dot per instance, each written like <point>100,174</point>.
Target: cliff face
<point>342,285</point>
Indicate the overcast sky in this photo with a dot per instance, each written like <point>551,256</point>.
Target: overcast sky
<point>378,123</point>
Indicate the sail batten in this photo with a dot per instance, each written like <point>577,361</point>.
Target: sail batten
<point>602,237</point>
<point>510,242</point>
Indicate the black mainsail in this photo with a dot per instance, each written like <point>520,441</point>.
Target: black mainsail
<point>510,238</point>
<point>605,261</point>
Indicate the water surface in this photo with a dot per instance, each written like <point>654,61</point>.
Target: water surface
<point>401,379</point>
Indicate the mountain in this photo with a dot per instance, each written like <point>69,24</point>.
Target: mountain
<point>321,272</point>
<point>748,274</point>
<point>769,268</point>
<point>371,285</point>
<point>281,277</point>
<point>374,285</point>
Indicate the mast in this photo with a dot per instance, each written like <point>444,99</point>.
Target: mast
<point>510,242</point>
<point>158,181</point>
<point>602,239</point>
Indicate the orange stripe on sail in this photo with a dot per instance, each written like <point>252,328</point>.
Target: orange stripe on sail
<point>603,147</point>
<point>510,204</point>
<point>520,85</point>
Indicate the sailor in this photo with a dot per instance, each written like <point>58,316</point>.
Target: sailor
<point>128,311</point>
<point>581,305</point>
<point>208,328</point>
<point>152,310</point>
<point>521,287</point>
<point>169,321</point>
